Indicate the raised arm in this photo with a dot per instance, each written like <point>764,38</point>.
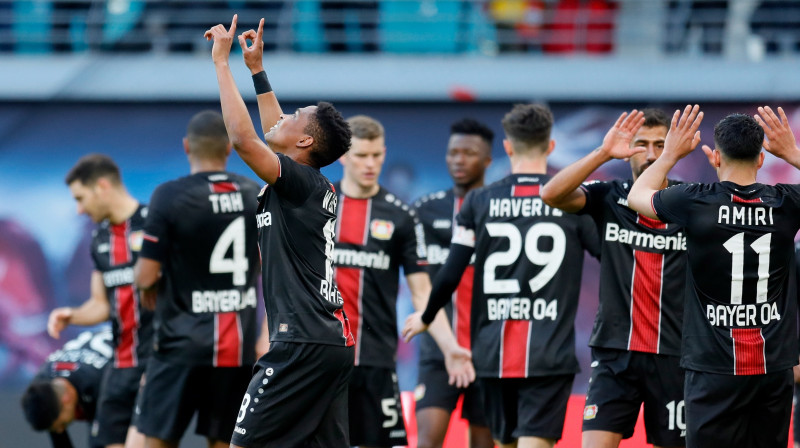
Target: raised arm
<point>268,108</point>
<point>255,153</point>
<point>94,310</point>
<point>780,140</point>
<point>563,190</point>
<point>682,138</point>
<point>458,360</point>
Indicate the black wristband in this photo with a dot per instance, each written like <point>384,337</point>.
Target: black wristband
<point>261,83</point>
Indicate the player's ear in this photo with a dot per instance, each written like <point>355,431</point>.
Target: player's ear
<point>551,147</point>
<point>305,142</point>
<point>507,147</point>
<point>717,158</point>
<point>760,159</point>
<point>186,145</point>
<point>228,149</point>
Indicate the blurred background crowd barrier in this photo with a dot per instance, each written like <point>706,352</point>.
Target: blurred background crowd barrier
<point>736,28</point>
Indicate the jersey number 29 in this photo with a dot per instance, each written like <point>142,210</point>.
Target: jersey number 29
<point>550,261</point>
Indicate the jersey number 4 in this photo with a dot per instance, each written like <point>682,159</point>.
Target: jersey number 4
<point>550,261</point>
<point>761,246</point>
<point>233,236</point>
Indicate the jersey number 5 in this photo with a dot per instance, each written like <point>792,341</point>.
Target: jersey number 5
<point>550,261</point>
<point>237,265</point>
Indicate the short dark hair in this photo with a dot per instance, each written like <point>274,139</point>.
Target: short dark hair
<point>739,137</point>
<point>365,128</point>
<point>529,125</point>
<point>469,126</point>
<point>40,404</point>
<point>207,135</point>
<point>654,118</point>
<point>331,135</point>
<point>92,167</point>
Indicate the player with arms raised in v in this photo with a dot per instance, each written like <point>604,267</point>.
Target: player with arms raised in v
<point>298,394</point>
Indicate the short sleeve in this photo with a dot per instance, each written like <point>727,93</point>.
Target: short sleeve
<point>672,204</point>
<point>296,182</point>
<point>412,248</point>
<point>595,192</point>
<point>464,233</point>
<point>155,240</point>
<point>590,239</point>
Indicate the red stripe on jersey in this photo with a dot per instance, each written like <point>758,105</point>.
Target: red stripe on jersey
<point>125,299</point>
<point>227,340</point>
<point>651,223</point>
<point>524,190</point>
<point>748,351</point>
<point>350,282</point>
<point>61,366</point>
<point>462,308</point>
<point>346,333</point>
<point>514,349</point>
<point>353,219</point>
<point>735,198</point>
<point>648,271</point>
<point>223,187</point>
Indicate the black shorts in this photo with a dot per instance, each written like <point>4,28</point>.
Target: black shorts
<point>376,417</point>
<point>727,410</point>
<point>174,392</point>
<point>116,405</point>
<point>296,398</point>
<point>621,381</point>
<point>433,391</point>
<point>526,407</point>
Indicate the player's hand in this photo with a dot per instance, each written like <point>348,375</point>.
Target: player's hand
<point>148,297</point>
<point>617,142</point>
<point>683,135</point>
<point>458,363</point>
<point>779,139</point>
<point>413,326</point>
<point>253,53</point>
<point>223,39</point>
<point>58,320</point>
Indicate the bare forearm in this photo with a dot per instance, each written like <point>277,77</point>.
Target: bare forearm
<point>240,128</point>
<point>648,183</point>
<point>91,312</point>
<point>269,110</point>
<point>563,190</point>
<point>440,328</point>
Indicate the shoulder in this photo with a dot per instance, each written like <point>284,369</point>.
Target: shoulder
<point>393,203</point>
<point>432,200</point>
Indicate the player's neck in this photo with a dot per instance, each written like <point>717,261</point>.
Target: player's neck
<point>122,207</point>
<point>461,190</point>
<point>525,165</point>
<point>205,165</point>
<point>738,174</point>
<point>351,189</point>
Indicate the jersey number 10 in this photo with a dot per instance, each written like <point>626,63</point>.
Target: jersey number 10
<point>550,261</point>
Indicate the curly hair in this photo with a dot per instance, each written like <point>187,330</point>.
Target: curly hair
<point>331,135</point>
<point>468,126</point>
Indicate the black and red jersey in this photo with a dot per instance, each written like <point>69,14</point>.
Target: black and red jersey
<point>528,265</point>
<point>297,223</point>
<point>201,229</point>
<point>437,214</point>
<point>642,274</point>
<point>115,248</point>
<point>374,238</point>
<point>81,361</point>
<point>741,307</point>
